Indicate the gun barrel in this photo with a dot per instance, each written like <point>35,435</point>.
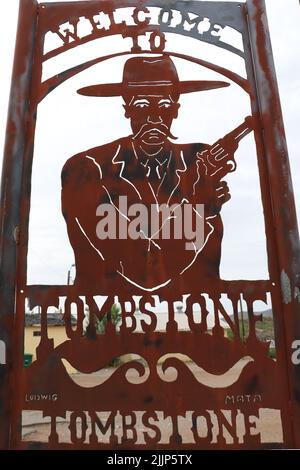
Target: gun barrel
<point>219,159</point>
<point>244,129</point>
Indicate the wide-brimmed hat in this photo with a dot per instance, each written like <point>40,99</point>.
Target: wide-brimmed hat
<point>150,75</point>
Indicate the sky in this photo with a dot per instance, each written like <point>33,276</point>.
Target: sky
<point>60,125</point>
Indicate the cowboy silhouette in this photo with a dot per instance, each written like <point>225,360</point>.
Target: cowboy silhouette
<point>147,168</point>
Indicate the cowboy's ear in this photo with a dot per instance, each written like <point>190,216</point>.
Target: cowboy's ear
<point>176,109</point>
<point>127,108</point>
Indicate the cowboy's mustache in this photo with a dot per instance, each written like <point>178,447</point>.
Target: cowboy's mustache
<point>160,127</point>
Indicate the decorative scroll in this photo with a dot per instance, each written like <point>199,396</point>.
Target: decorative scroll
<point>135,373</point>
<point>209,380</point>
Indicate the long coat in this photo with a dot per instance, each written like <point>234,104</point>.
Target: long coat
<point>134,266</point>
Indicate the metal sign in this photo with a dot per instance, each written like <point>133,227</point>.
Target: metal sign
<point>143,214</point>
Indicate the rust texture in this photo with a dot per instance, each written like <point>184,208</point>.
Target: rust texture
<point>281,189</point>
<point>16,135</point>
<point>171,388</point>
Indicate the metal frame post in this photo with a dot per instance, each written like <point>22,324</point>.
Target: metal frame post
<point>284,212</point>
<point>10,200</point>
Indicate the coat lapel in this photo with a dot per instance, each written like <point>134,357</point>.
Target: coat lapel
<point>124,158</point>
<point>180,168</point>
<point>133,174</point>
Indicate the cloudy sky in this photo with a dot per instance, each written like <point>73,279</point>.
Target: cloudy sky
<point>62,131</point>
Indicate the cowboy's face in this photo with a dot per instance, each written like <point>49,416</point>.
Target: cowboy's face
<point>151,117</point>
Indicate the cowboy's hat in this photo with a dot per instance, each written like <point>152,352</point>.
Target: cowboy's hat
<point>150,75</point>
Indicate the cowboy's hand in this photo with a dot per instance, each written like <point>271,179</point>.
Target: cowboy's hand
<point>217,160</point>
<point>213,195</point>
<point>209,191</point>
<point>222,195</point>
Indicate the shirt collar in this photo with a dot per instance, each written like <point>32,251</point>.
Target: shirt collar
<point>150,162</point>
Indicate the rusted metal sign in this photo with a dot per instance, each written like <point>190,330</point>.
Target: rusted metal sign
<point>143,213</point>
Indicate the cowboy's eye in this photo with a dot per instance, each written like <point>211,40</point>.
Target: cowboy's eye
<point>165,105</point>
<point>141,104</point>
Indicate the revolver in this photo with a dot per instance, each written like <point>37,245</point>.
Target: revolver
<point>218,159</point>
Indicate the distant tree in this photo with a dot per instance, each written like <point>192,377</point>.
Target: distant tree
<point>114,316</point>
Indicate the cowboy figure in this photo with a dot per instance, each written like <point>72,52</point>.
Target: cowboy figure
<point>146,168</point>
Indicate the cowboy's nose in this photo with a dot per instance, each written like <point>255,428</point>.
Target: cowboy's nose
<point>154,118</point>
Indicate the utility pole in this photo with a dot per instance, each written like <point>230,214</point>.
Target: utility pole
<point>69,275</point>
<point>242,319</point>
